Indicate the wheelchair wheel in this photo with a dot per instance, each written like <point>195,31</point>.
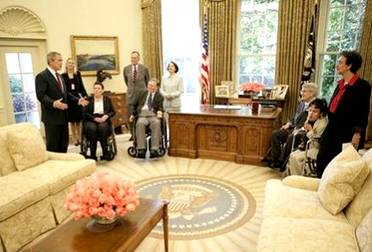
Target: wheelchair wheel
<point>132,151</point>
<point>161,152</point>
<point>111,152</point>
<point>84,146</point>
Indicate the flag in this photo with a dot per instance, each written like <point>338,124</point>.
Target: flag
<point>309,62</point>
<point>204,65</point>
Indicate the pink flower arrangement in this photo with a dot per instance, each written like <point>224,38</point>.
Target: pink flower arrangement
<point>101,195</point>
<point>252,87</point>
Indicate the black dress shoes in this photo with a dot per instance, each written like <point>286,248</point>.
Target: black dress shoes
<point>154,154</point>
<point>275,164</point>
<point>92,157</point>
<point>106,157</point>
<point>141,154</point>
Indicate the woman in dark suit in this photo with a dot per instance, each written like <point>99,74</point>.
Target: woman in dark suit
<point>348,111</point>
<point>75,87</point>
<point>97,125</point>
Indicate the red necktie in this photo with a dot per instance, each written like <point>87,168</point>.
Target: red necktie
<point>134,73</point>
<point>59,83</point>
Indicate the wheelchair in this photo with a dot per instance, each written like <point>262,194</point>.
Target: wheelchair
<point>111,144</point>
<point>163,145</point>
<point>309,167</point>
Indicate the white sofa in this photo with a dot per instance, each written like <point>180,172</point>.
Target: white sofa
<point>33,184</point>
<point>296,217</point>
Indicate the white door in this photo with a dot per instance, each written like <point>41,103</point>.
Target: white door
<point>18,102</point>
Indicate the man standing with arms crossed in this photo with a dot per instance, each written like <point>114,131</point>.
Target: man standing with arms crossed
<point>136,77</point>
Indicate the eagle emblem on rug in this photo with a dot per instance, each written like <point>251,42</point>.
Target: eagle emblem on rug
<point>187,201</point>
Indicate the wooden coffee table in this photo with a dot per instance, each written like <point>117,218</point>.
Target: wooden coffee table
<point>74,236</point>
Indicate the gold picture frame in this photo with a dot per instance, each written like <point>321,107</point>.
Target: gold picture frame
<point>93,53</point>
<point>279,92</point>
<point>222,91</point>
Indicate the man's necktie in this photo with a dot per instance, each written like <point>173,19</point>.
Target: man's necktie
<point>149,102</point>
<point>59,83</point>
<point>134,73</point>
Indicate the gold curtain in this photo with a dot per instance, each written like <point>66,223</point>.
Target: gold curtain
<point>152,37</point>
<point>366,52</point>
<point>222,22</point>
<point>293,30</point>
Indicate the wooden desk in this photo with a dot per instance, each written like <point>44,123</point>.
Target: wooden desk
<point>233,135</point>
<point>73,236</point>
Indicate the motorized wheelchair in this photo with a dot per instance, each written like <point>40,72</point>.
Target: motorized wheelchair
<point>111,144</point>
<point>163,145</point>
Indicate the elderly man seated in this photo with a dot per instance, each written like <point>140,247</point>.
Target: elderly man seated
<point>147,107</point>
<point>285,133</point>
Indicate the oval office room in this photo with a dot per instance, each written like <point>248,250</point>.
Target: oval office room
<point>186,125</point>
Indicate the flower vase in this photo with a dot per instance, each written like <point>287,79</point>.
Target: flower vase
<point>99,224</point>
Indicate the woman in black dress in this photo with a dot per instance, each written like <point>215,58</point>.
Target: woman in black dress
<point>348,111</point>
<point>75,87</point>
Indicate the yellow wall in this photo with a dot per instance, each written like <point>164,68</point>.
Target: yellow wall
<point>121,18</point>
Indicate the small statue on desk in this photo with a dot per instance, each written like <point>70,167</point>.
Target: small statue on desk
<point>102,76</point>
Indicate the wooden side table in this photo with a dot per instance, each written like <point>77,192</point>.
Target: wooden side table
<point>73,236</point>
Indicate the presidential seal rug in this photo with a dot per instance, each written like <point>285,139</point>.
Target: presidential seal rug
<point>215,198</point>
<point>199,206</point>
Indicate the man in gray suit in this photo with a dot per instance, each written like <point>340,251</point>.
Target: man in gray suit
<point>147,106</point>
<point>136,77</point>
<point>285,133</point>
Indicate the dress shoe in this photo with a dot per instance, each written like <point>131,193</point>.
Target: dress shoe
<point>154,154</point>
<point>131,138</point>
<point>141,154</point>
<point>92,157</point>
<point>106,157</point>
<point>275,164</point>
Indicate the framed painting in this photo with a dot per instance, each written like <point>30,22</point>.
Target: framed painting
<point>93,53</point>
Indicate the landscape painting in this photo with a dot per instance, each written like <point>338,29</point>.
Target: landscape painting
<point>93,53</point>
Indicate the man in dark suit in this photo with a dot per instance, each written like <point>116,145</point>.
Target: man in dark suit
<point>285,133</point>
<point>136,77</point>
<point>348,111</point>
<point>52,93</point>
<point>147,106</point>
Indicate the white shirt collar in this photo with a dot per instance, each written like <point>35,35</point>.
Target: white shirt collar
<point>52,71</point>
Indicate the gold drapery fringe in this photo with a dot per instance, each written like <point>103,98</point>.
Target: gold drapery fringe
<point>152,37</point>
<point>366,53</point>
<point>293,30</point>
<point>222,23</point>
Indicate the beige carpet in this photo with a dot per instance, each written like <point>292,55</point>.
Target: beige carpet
<point>251,178</point>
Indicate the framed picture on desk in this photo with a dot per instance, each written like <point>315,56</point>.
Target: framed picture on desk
<point>222,91</point>
<point>279,92</point>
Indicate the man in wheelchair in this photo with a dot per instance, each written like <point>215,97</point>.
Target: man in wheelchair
<point>147,108</point>
<point>97,124</point>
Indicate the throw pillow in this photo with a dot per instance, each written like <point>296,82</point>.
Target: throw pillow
<point>342,180</point>
<point>364,233</point>
<point>26,146</point>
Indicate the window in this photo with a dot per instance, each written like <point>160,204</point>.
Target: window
<point>258,35</point>
<point>22,87</point>
<point>343,32</point>
<point>181,42</point>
